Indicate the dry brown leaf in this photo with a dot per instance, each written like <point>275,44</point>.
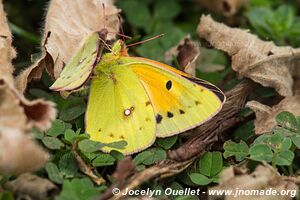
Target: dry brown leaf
<point>186,52</point>
<point>224,7</point>
<point>261,61</point>
<point>18,153</point>
<point>67,22</point>
<point>32,186</point>
<point>265,115</point>
<point>263,178</point>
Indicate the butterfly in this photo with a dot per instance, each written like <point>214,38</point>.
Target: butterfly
<point>136,99</point>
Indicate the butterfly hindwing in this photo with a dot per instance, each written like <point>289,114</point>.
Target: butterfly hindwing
<point>119,109</point>
<point>79,68</point>
<point>179,104</point>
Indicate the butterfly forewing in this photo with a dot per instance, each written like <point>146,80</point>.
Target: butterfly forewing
<point>120,110</point>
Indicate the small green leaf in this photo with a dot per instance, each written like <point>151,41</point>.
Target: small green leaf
<point>78,189</point>
<point>199,179</point>
<point>68,165</point>
<point>287,120</point>
<point>53,173</point>
<point>296,141</point>
<point>52,143</point>
<point>211,163</point>
<point>117,155</point>
<point>72,112</point>
<point>89,146</point>
<point>285,144</point>
<point>103,160</point>
<point>168,142</point>
<point>141,157</point>
<point>150,156</point>
<point>57,128</point>
<point>261,152</point>
<point>70,135</point>
<point>239,150</point>
<point>285,158</point>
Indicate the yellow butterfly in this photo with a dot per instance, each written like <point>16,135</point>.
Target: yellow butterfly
<point>135,99</point>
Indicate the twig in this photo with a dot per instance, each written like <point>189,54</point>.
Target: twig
<point>84,168</point>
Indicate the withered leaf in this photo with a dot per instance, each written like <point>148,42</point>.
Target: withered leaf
<point>33,186</point>
<point>261,61</point>
<point>265,115</point>
<point>186,53</point>
<point>18,152</point>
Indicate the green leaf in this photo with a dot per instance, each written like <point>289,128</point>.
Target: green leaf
<point>68,165</point>
<point>211,163</point>
<point>150,156</point>
<point>117,155</point>
<point>78,189</point>
<point>199,179</point>
<point>70,135</point>
<point>168,142</point>
<point>296,141</point>
<point>285,144</point>
<point>58,127</point>
<point>137,13</point>
<point>261,152</point>
<point>285,158</point>
<point>52,143</point>
<point>239,150</point>
<point>244,132</point>
<point>141,157</point>
<point>287,120</point>
<point>72,112</point>
<point>103,160</point>
<point>166,10</point>
<point>53,173</point>
<point>89,146</point>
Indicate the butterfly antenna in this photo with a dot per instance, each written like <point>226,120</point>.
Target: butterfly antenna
<point>122,35</point>
<point>147,40</point>
<point>121,27</point>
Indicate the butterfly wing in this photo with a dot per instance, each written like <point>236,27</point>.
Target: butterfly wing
<point>119,109</point>
<point>179,103</point>
<point>79,68</point>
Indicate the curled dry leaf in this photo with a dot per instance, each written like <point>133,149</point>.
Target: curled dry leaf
<point>67,22</point>
<point>224,7</point>
<point>186,53</point>
<point>263,178</point>
<point>265,115</point>
<point>261,61</point>
<point>32,186</point>
<point>18,153</point>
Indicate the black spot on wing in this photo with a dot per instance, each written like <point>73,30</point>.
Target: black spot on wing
<point>181,111</point>
<point>158,118</point>
<point>169,84</point>
<point>170,115</point>
<point>197,103</point>
<point>148,103</point>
